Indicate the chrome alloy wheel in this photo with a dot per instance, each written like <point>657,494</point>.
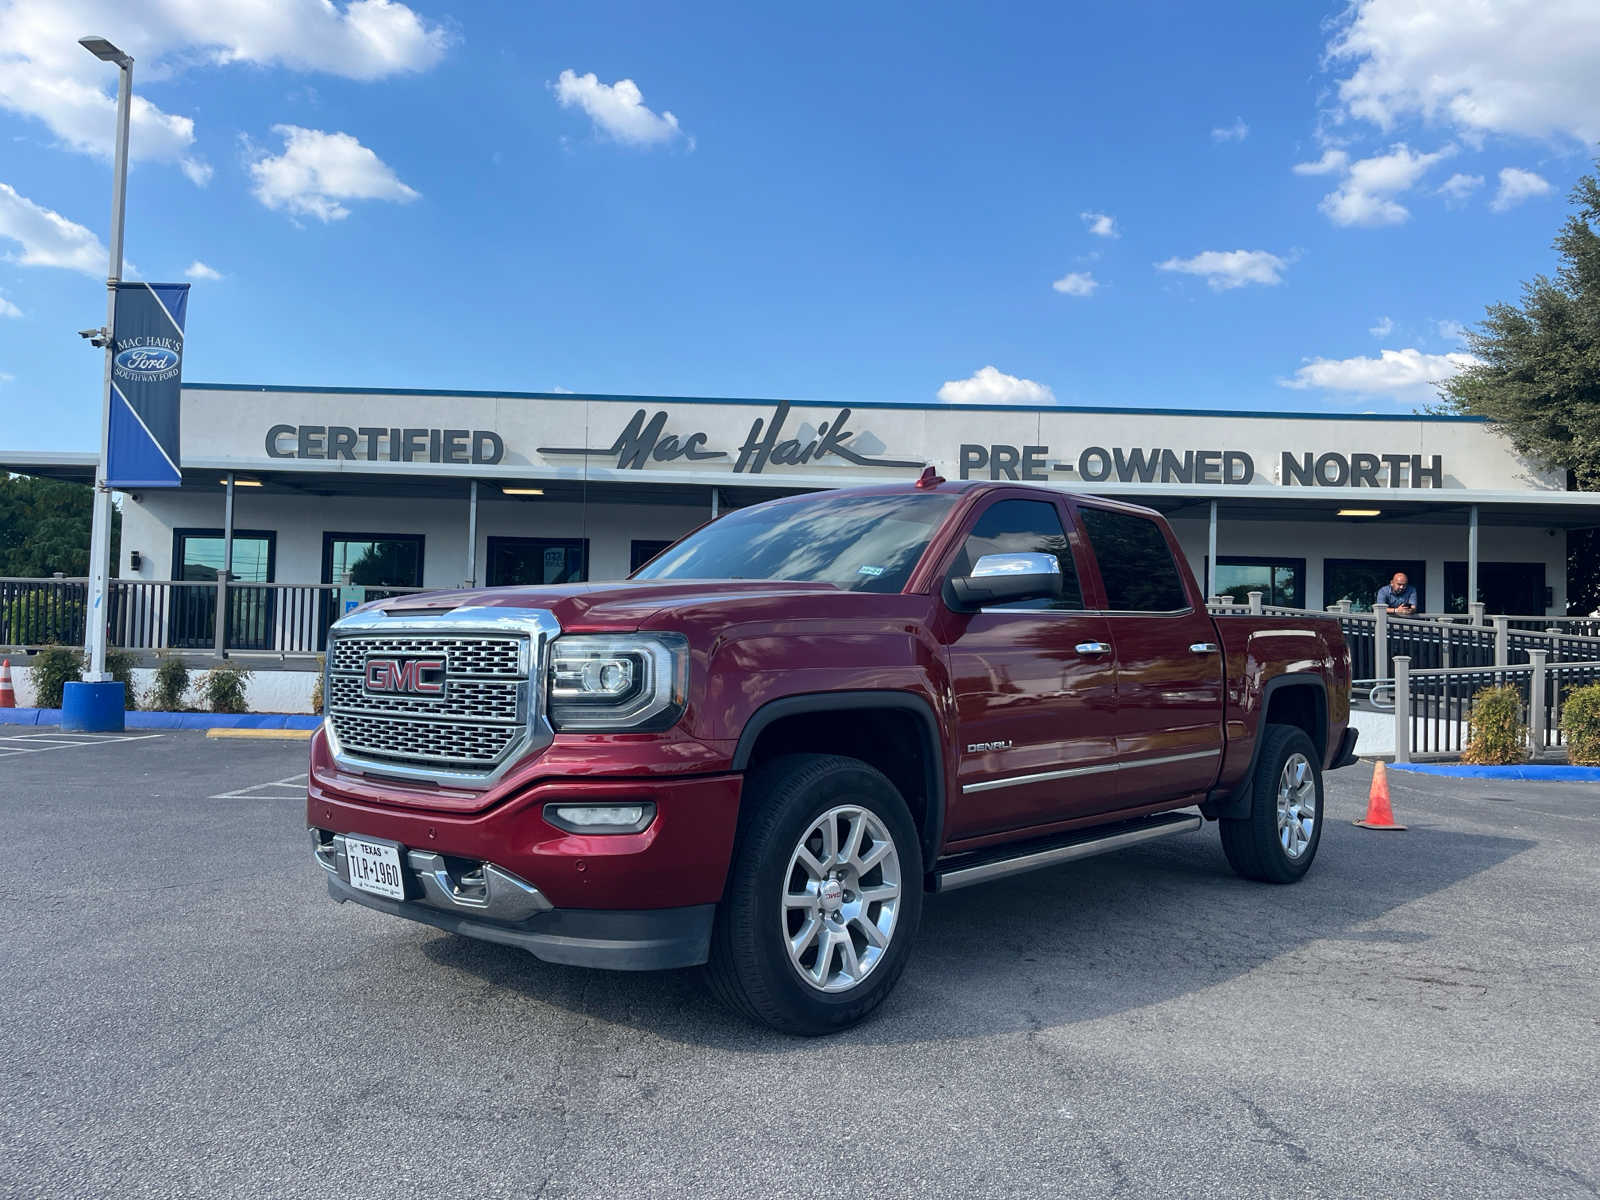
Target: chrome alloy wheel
<point>1297,806</point>
<point>841,898</point>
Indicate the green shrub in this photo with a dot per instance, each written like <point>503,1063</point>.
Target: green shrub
<point>42,619</point>
<point>223,688</point>
<point>119,665</point>
<point>1497,733</point>
<point>170,686</point>
<point>1580,722</point>
<point>53,668</point>
<point>316,688</point>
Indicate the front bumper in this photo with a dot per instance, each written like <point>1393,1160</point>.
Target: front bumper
<point>655,939</point>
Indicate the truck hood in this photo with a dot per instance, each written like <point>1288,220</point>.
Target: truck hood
<point>603,607</point>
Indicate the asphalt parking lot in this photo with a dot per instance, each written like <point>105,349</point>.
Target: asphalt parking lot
<point>183,1012</point>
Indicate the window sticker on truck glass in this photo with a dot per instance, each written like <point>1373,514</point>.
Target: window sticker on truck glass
<point>872,571</point>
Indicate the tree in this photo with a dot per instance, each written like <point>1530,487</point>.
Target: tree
<point>1539,374</point>
<point>44,527</point>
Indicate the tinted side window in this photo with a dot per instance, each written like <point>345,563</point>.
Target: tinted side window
<point>1135,562</point>
<point>1019,527</point>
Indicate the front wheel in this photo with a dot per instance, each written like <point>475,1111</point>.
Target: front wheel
<point>1279,838</point>
<point>824,895</point>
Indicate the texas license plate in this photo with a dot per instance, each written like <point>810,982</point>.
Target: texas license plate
<point>375,867</point>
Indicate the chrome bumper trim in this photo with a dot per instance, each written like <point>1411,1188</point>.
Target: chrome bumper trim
<point>497,895</point>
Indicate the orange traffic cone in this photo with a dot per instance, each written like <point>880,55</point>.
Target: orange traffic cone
<point>1379,814</point>
<point>8,694</point>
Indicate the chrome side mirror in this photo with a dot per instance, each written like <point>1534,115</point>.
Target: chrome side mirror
<point>1007,579</point>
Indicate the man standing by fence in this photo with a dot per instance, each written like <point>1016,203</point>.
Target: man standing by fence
<point>1397,596</point>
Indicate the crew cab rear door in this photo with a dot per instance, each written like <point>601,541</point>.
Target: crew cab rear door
<point>1035,684</point>
<point>1169,665</point>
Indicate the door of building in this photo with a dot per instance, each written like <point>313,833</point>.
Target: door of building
<point>530,562</point>
<point>1517,588</point>
<point>197,557</point>
<point>1035,687</point>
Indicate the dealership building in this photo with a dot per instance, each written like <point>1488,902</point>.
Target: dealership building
<point>406,488</point>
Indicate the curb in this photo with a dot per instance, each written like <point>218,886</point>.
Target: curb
<point>262,735</point>
<point>1528,771</point>
<point>172,720</point>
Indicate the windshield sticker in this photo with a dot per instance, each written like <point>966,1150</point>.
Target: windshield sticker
<point>873,571</point>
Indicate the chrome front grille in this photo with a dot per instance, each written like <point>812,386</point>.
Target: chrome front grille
<point>462,725</point>
<point>470,699</point>
<point>449,743</point>
<point>482,657</point>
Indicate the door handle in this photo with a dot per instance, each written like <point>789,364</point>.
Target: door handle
<point>1204,648</point>
<point>1093,648</point>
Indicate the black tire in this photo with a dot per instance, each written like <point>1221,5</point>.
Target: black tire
<point>750,968</point>
<point>1253,843</point>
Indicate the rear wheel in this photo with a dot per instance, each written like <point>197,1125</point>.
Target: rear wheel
<point>1276,842</point>
<point>824,895</point>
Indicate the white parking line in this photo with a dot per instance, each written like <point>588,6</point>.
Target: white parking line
<point>38,743</point>
<point>280,789</point>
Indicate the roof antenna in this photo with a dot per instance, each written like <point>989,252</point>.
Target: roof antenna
<point>929,478</point>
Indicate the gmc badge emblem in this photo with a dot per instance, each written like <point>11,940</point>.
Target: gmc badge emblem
<point>406,676</point>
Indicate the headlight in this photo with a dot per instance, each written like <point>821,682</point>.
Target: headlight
<point>634,681</point>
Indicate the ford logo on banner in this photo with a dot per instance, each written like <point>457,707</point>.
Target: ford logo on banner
<point>147,360</point>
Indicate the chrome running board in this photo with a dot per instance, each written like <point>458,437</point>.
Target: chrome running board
<point>964,870</point>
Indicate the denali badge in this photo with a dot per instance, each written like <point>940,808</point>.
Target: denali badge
<point>985,747</point>
<point>407,676</point>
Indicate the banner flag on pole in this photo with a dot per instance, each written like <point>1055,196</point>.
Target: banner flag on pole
<point>146,384</point>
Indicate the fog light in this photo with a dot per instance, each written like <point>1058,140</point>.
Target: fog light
<point>600,818</point>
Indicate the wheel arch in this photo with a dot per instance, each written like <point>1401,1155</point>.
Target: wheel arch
<point>1300,699</point>
<point>843,723</point>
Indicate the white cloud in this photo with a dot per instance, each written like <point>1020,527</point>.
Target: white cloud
<point>1237,132</point>
<point>199,270</point>
<point>1078,283</point>
<point>317,170</point>
<point>1459,186</point>
<point>992,386</point>
<point>1100,224</point>
<point>46,75</point>
<point>1451,331</point>
<point>1331,161</point>
<point>1401,374</point>
<point>1513,67</point>
<point>1225,269</point>
<point>197,170</point>
<point>6,376</point>
<point>1366,197</point>
<point>47,238</point>
<point>8,309</point>
<point>1517,185</point>
<point>1383,328</point>
<point>617,109</point>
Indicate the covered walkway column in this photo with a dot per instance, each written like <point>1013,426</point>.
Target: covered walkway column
<point>472,535</point>
<point>1211,554</point>
<point>1472,557</point>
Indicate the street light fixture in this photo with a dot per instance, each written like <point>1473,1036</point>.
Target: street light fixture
<point>100,531</point>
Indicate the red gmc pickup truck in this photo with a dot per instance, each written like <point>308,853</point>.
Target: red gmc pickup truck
<point>763,750</point>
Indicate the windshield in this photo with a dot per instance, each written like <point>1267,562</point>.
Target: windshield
<point>860,543</point>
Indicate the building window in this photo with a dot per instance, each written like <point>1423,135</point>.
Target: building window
<point>534,561</point>
<point>642,551</point>
<point>1358,580</point>
<point>1516,588</point>
<point>1281,581</point>
<point>373,560</point>
<point>197,558</point>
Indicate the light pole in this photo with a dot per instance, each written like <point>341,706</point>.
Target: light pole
<point>100,531</point>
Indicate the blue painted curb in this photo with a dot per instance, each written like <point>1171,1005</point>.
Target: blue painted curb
<point>172,720</point>
<point>1523,771</point>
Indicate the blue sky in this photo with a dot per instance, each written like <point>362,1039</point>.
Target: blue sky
<point>1270,205</point>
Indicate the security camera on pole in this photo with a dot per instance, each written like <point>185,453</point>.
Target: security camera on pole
<point>143,340</point>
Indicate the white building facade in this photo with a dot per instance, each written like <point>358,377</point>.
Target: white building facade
<point>396,488</point>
